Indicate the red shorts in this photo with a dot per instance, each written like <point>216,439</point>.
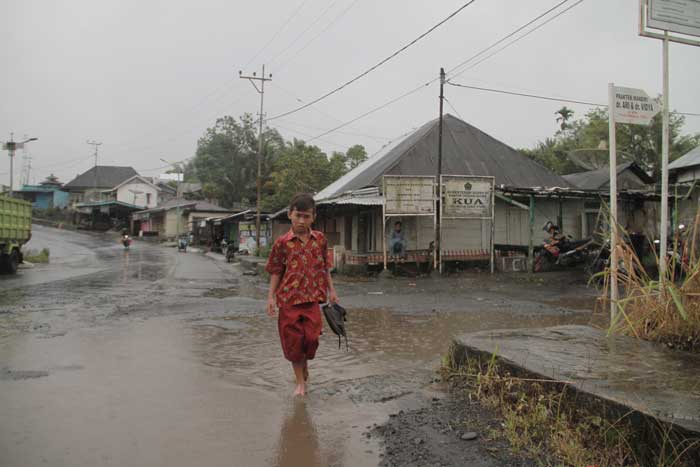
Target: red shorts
<point>299,328</point>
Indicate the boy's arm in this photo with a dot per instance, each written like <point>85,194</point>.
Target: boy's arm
<point>332,295</point>
<point>271,302</point>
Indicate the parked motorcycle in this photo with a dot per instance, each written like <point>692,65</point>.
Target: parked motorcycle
<point>182,244</point>
<point>126,241</point>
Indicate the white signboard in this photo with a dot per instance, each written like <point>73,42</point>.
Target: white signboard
<point>409,196</point>
<point>680,16</point>
<point>634,106</point>
<point>467,197</point>
<point>174,177</point>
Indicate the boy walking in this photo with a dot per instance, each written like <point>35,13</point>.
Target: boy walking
<point>299,280</point>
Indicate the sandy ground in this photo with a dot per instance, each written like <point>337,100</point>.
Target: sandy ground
<point>154,357</point>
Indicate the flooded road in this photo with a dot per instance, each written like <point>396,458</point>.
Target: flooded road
<point>153,357</point>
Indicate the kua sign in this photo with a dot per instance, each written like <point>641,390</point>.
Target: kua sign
<point>467,197</point>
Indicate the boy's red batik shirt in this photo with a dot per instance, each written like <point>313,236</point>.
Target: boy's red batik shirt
<point>303,268</point>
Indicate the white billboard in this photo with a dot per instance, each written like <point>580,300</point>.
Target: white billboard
<point>467,197</point>
<point>679,16</point>
<point>409,196</point>
<point>174,177</point>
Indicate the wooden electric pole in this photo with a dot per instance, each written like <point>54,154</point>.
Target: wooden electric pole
<point>261,91</point>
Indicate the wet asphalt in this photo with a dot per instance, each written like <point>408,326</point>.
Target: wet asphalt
<point>150,357</point>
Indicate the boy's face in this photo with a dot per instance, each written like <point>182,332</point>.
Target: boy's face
<point>301,220</point>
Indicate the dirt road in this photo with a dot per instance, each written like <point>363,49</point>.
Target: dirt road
<point>153,357</point>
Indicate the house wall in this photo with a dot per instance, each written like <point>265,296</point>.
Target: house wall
<point>688,208</point>
<point>688,175</point>
<point>140,199</point>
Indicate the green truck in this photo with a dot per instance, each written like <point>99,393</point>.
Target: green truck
<point>15,231</point>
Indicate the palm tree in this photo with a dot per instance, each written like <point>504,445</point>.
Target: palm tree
<point>563,116</point>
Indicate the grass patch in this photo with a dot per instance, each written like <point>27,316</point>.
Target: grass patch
<point>33,256</point>
<point>548,421</point>
<point>665,310</point>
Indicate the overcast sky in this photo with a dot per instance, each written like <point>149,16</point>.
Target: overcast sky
<point>146,78</point>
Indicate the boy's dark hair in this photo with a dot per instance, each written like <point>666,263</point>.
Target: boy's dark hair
<point>302,202</point>
<point>398,223</point>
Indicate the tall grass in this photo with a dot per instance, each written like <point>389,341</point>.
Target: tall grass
<point>665,309</point>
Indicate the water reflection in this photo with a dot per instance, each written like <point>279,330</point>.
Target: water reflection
<point>298,443</point>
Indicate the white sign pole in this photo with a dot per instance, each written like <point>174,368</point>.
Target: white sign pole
<point>664,164</point>
<point>493,226</point>
<point>613,203</point>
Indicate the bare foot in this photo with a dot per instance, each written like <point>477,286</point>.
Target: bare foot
<point>300,390</point>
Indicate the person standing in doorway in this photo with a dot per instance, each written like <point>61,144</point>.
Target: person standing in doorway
<point>300,279</point>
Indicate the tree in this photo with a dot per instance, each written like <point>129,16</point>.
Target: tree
<point>355,156</point>
<point>584,144</point>
<point>226,159</point>
<point>563,116</point>
<point>300,168</point>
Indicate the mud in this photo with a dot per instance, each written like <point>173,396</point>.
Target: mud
<point>151,357</point>
<point>439,434</point>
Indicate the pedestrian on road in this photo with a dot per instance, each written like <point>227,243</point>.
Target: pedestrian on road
<point>300,279</point>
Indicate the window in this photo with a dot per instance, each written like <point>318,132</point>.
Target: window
<point>148,199</point>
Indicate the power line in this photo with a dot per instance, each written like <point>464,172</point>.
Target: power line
<point>547,98</point>
<point>506,37</point>
<point>454,68</point>
<point>452,107</point>
<point>279,30</point>
<point>282,66</point>
<point>375,109</point>
<point>374,67</point>
<point>301,34</point>
<point>520,37</point>
<point>534,96</point>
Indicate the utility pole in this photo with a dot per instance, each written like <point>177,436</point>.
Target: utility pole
<point>261,91</point>
<point>95,144</point>
<point>11,147</point>
<point>26,165</point>
<point>438,255</point>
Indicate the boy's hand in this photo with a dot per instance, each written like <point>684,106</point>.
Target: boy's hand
<point>271,307</point>
<point>333,297</point>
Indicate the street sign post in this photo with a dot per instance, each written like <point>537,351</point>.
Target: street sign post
<point>632,106</point>
<point>679,17</point>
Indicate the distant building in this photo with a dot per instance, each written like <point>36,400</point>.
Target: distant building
<point>175,217</point>
<point>630,176</point>
<point>46,195</point>
<point>89,185</point>
<point>685,172</point>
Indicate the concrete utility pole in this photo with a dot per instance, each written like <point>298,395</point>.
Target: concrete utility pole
<point>438,255</point>
<point>261,91</point>
<point>95,144</point>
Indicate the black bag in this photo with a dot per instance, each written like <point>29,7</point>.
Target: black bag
<point>336,317</point>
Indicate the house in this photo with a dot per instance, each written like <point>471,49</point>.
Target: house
<point>527,195</point>
<point>46,195</point>
<point>136,190</point>
<point>638,207</point>
<point>90,185</point>
<point>685,173</point>
<point>175,217</point>
<point>630,176</point>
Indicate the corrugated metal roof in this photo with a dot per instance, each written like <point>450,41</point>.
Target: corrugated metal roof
<point>689,159</point>
<point>597,179</point>
<point>466,151</point>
